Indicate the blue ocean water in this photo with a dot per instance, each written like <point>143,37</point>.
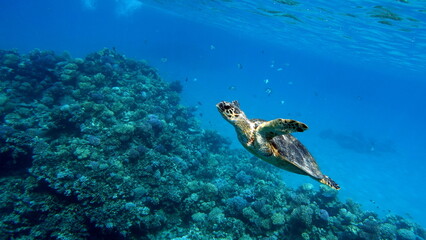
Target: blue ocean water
<point>354,71</point>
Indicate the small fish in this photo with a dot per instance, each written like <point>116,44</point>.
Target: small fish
<point>195,79</point>
<point>282,102</point>
<point>232,88</point>
<point>240,66</point>
<point>290,83</point>
<point>164,59</point>
<point>266,81</point>
<point>268,91</point>
<point>212,47</point>
<point>279,69</point>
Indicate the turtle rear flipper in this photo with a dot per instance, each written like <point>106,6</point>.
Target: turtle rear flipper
<point>280,126</point>
<point>329,182</point>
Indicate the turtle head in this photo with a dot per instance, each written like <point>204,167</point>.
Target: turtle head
<point>230,111</point>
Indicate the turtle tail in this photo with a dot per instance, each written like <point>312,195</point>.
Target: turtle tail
<point>329,182</point>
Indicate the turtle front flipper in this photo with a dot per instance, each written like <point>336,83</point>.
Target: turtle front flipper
<point>280,126</point>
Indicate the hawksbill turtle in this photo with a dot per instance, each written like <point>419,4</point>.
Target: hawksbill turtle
<point>272,142</point>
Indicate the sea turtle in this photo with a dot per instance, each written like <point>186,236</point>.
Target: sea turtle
<point>272,142</point>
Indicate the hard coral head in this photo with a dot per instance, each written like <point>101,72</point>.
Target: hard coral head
<point>230,110</point>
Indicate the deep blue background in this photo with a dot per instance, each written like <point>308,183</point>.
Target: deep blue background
<point>378,101</point>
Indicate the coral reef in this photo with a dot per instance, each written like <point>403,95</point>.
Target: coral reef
<point>99,148</point>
